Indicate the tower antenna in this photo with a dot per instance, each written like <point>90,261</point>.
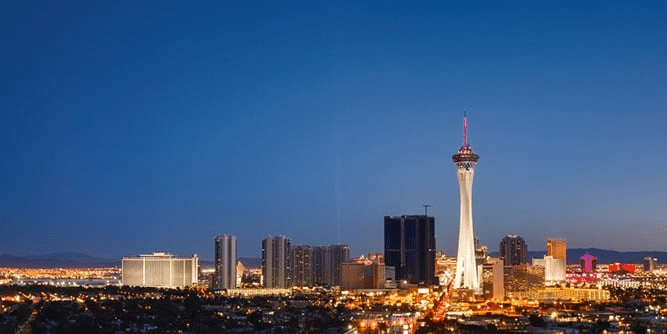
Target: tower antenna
<point>465,128</point>
<point>426,206</point>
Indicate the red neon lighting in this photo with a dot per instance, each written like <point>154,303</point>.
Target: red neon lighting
<point>588,262</point>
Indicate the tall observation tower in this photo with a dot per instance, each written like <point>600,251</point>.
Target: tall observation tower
<point>466,268</point>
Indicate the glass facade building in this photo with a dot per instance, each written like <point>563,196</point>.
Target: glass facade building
<point>409,247</point>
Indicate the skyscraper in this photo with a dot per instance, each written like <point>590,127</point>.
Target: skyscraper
<point>557,248</point>
<point>276,262</point>
<point>302,265</point>
<point>493,284</point>
<point>327,262</point>
<point>554,270</point>
<point>650,263</point>
<point>555,261</point>
<point>409,247</point>
<point>466,267</point>
<point>513,250</point>
<point>225,262</point>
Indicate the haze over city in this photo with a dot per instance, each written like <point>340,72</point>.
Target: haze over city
<point>130,128</point>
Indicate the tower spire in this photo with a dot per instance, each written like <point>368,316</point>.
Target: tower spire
<point>465,129</point>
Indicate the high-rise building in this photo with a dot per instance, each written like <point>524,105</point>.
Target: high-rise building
<point>327,261</point>
<point>353,276</point>
<point>493,283</point>
<point>276,268</point>
<point>160,270</point>
<point>555,261</point>
<point>554,270</point>
<point>557,248</point>
<point>409,247</point>
<point>362,275</point>
<point>650,263</point>
<point>523,278</point>
<point>375,275</point>
<point>466,268</point>
<point>240,270</point>
<point>513,250</point>
<point>302,265</point>
<point>225,262</point>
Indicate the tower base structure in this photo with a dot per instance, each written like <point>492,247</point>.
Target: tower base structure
<point>466,267</point>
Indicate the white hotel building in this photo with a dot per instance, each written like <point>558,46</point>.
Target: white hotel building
<point>160,270</point>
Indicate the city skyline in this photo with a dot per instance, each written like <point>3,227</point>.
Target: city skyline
<point>128,129</point>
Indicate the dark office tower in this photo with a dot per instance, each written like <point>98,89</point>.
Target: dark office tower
<point>513,250</point>
<point>225,262</point>
<point>276,262</point>
<point>327,262</point>
<point>409,247</point>
<point>650,263</point>
<point>302,265</point>
<point>319,255</point>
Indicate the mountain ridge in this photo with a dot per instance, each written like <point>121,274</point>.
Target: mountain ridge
<point>57,260</point>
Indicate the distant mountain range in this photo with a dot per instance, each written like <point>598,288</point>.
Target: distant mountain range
<point>80,260</point>
<point>251,262</point>
<point>57,260</point>
<point>603,255</point>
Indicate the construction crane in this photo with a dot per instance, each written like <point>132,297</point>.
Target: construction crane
<point>426,206</point>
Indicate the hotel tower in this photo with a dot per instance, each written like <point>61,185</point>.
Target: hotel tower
<point>466,268</point>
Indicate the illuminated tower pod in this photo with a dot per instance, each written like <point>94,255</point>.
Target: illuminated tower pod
<point>466,268</point>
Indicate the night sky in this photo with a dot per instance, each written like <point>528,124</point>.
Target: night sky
<point>130,127</point>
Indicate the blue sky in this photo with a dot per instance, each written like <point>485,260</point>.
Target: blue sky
<point>131,127</point>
